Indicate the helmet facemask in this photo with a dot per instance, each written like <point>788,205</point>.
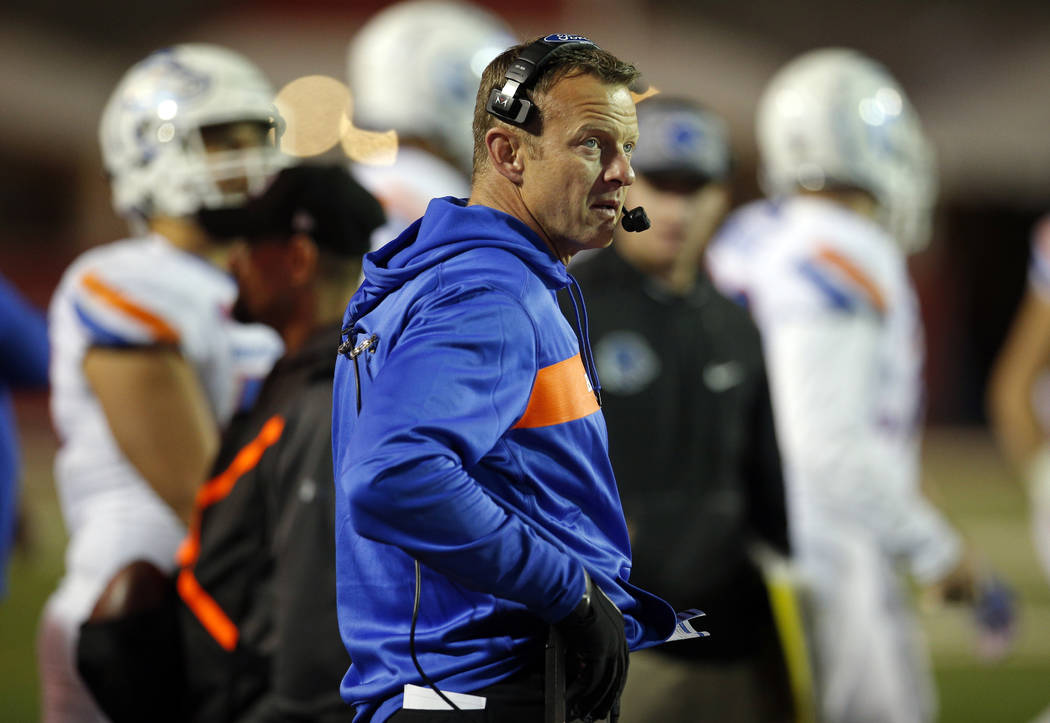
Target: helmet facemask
<point>225,177</point>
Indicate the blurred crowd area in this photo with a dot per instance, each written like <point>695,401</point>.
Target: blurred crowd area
<point>975,71</point>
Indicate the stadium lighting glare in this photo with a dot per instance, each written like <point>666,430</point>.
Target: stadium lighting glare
<point>318,111</point>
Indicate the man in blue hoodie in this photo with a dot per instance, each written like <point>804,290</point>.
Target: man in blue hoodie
<point>475,502</point>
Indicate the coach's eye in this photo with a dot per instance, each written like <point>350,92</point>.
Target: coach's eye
<point>592,143</point>
<point>628,148</point>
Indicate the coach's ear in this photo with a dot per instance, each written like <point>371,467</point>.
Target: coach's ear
<point>506,152</point>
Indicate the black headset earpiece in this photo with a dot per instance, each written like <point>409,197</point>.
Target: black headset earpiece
<point>509,104</point>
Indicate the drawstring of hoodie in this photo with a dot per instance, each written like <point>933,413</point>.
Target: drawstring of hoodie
<point>351,352</point>
<point>583,335</point>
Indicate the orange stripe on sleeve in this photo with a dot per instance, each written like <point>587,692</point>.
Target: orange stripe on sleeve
<point>204,607</point>
<point>160,328</point>
<point>561,393</point>
<point>854,273</point>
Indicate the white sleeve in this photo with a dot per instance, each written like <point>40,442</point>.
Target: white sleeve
<point>122,307</point>
<point>143,293</point>
<point>729,257</point>
<point>825,373</point>
<point>256,348</point>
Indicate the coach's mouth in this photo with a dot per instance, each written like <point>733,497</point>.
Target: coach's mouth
<point>608,207</point>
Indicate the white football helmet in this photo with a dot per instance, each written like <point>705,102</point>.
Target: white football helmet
<point>415,68</point>
<point>152,146</point>
<point>833,118</point>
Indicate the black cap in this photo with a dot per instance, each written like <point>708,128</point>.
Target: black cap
<point>323,201</point>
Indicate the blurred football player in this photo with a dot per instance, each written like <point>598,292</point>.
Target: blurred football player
<point>415,68</point>
<point>822,267</point>
<point>147,363</point>
<point>1020,367</point>
<point>691,433</point>
<point>253,634</point>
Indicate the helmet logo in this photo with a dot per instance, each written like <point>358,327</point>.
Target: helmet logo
<point>163,78</point>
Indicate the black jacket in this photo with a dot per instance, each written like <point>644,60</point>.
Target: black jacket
<point>691,437</point>
<point>267,559</point>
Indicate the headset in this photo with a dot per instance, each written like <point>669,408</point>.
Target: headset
<point>510,105</point>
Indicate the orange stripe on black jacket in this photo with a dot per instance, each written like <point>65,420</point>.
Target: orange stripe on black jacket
<point>203,606</point>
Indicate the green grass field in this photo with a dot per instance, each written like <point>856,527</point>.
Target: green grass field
<point>964,474</point>
<point>970,481</point>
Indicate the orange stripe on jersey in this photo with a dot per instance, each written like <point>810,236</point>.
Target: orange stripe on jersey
<point>219,486</point>
<point>160,328</point>
<point>204,607</point>
<point>853,272</point>
<point>561,393</point>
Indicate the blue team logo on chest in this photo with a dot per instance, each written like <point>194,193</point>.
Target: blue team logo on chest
<point>626,362</point>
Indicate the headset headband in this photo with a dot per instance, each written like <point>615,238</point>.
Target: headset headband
<point>506,104</point>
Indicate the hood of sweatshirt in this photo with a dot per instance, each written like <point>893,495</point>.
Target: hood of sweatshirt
<point>450,227</point>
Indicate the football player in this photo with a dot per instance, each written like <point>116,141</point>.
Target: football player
<point>822,266</point>
<point>1013,388</point>
<point>415,68</point>
<point>147,364</point>
<point>1020,366</point>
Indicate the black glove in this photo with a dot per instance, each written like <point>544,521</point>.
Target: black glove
<point>595,655</point>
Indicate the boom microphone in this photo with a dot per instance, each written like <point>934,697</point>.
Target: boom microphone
<point>635,220</point>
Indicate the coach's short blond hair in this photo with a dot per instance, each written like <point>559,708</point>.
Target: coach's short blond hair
<point>577,59</point>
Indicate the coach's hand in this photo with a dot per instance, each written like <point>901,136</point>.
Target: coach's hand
<point>595,655</point>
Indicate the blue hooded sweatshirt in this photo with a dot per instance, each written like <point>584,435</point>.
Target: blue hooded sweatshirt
<point>470,439</point>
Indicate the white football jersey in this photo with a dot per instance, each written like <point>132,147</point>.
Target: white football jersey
<point>406,187</point>
<point>141,292</point>
<point>830,292</point>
